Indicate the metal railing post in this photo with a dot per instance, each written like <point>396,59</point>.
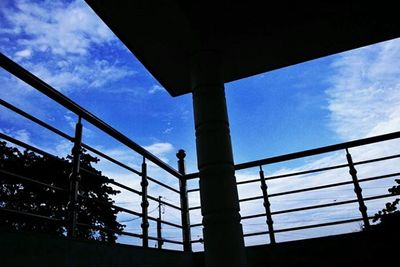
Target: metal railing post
<point>74,178</point>
<point>358,190</point>
<point>160,242</point>
<point>186,235</point>
<point>267,206</point>
<point>145,204</point>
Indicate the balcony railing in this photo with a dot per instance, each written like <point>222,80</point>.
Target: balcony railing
<point>182,192</point>
<point>72,224</point>
<point>265,196</point>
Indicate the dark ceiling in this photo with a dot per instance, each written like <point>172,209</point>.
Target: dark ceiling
<point>253,36</point>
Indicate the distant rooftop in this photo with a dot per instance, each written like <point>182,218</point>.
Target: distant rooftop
<point>253,37</point>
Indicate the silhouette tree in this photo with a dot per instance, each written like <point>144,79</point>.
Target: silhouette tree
<point>17,194</point>
<point>389,217</point>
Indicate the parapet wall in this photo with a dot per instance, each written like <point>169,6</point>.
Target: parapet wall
<point>355,249</point>
<point>17,249</point>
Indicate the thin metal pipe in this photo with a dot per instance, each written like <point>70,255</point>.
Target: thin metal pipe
<point>317,151</point>
<point>29,147</point>
<point>296,173</point>
<point>162,184</point>
<point>193,190</point>
<point>329,204</point>
<point>163,202</point>
<point>26,179</point>
<point>36,120</point>
<point>101,154</point>
<point>32,215</point>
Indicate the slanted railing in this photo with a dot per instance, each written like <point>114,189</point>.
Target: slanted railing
<point>72,222</point>
<point>263,180</point>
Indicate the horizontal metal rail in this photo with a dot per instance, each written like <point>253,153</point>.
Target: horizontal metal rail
<point>306,227</point>
<point>338,203</point>
<point>295,174</point>
<point>165,222</point>
<point>32,215</point>
<point>33,181</point>
<point>163,185</point>
<point>196,225</point>
<point>29,147</point>
<point>317,151</point>
<point>52,93</point>
<point>190,176</point>
<point>106,229</point>
<point>193,190</point>
<point>165,240</point>
<point>320,187</point>
<point>333,185</point>
<point>135,191</point>
<point>308,171</point>
<point>125,187</point>
<point>111,205</point>
<point>163,202</point>
<point>36,120</point>
<point>101,154</point>
<point>377,159</point>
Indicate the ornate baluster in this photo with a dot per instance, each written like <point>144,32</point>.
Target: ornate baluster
<point>267,206</point>
<point>358,190</point>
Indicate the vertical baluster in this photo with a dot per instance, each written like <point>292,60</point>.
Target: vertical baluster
<point>185,218</point>
<point>74,179</point>
<point>267,206</point>
<point>160,242</point>
<point>358,190</point>
<point>145,204</point>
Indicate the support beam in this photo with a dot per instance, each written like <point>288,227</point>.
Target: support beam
<point>223,234</point>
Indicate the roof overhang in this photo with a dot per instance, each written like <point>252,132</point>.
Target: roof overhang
<point>252,37</point>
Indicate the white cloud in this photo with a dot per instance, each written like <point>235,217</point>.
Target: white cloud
<point>22,135</point>
<point>156,88</point>
<point>59,42</point>
<point>364,99</point>
<point>160,149</point>
<point>57,27</point>
<point>26,53</point>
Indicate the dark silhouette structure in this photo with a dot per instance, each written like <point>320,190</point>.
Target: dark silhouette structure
<point>197,46</point>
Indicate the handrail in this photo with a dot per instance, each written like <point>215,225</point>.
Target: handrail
<point>33,181</point>
<point>317,151</point>
<point>52,93</point>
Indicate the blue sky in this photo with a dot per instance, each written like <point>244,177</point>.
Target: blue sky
<point>337,98</point>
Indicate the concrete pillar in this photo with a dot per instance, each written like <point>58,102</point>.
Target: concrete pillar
<point>223,234</point>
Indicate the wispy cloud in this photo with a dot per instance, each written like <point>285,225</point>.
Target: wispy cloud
<point>57,27</point>
<point>58,41</point>
<point>155,89</point>
<point>364,98</point>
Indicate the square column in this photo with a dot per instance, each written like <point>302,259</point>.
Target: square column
<point>223,234</point>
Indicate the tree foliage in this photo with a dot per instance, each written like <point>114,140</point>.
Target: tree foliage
<point>24,196</point>
<point>389,217</point>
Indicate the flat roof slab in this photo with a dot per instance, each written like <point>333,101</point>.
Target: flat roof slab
<point>253,36</point>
